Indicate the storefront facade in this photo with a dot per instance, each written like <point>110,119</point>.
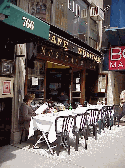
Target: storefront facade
<point>17,29</point>
<point>46,61</point>
<point>62,66</point>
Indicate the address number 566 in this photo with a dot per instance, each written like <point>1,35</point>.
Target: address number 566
<point>28,23</point>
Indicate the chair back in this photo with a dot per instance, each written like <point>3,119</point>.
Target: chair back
<point>64,124</point>
<point>117,109</point>
<point>107,111</point>
<point>81,121</point>
<point>93,116</point>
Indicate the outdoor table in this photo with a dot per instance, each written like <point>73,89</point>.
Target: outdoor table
<point>46,123</point>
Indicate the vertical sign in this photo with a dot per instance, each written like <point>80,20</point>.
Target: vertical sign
<point>117,58</point>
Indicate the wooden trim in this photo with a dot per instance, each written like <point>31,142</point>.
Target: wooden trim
<point>26,80</point>
<point>45,83</point>
<point>71,84</point>
<point>73,65</point>
<point>82,86</point>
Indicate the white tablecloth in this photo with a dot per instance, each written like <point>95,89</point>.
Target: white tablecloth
<point>46,122</point>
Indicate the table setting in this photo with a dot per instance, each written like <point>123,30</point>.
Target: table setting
<point>45,122</point>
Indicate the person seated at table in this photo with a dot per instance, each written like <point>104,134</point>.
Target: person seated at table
<point>25,114</point>
<point>63,98</point>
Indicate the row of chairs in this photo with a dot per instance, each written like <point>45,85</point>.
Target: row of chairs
<point>85,125</point>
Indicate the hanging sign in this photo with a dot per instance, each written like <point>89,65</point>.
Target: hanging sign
<point>117,58</point>
<point>68,45</point>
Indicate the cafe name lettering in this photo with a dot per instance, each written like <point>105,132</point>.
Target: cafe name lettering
<point>67,45</point>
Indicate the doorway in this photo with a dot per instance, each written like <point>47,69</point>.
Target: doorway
<point>57,81</point>
<point>5,120</point>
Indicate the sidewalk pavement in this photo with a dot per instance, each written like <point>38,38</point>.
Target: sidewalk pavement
<point>108,151</point>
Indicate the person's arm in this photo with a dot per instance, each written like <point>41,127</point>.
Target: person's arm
<point>31,112</point>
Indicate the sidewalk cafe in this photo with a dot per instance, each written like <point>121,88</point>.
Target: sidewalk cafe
<point>57,128</point>
<point>47,62</point>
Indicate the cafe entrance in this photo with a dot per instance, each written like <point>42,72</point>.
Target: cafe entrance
<point>57,80</point>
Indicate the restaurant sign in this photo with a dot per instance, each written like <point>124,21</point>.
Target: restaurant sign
<point>68,45</point>
<point>117,58</point>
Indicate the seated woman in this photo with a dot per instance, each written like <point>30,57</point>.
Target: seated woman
<point>25,114</point>
<point>64,99</point>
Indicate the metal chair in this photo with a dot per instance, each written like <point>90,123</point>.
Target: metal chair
<point>117,110</point>
<point>80,128</point>
<point>92,119</point>
<point>107,116</point>
<point>62,131</point>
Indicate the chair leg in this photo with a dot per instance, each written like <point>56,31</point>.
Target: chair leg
<point>68,145</point>
<point>85,143</point>
<point>58,145</point>
<point>99,126</point>
<point>118,122</point>
<point>77,141</point>
<point>95,131</point>
<point>86,134</point>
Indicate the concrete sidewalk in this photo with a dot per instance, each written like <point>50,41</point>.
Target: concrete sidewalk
<point>106,152</point>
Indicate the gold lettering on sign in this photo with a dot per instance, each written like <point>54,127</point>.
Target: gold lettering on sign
<point>53,39</point>
<point>65,44</point>
<point>59,41</point>
<point>84,53</point>
<point>80,51</point>
<point>88,54</point>
<point>99,60</point>
<point>57,54</point>
<point>93,56</point>
<point>43,50</point>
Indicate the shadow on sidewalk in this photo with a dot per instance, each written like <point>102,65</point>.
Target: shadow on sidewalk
<point>6,153</point>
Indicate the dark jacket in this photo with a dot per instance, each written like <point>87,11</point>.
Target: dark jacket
<point>25,114</point>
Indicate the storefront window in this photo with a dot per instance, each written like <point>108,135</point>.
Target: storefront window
<point>35,83</point>
<point>93,39</point>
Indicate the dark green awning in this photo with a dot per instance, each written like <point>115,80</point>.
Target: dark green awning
<point>18,18</point>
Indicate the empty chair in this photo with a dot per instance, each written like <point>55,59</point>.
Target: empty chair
<point>92,118</point>
<point>80,128</point>
<point>117,110</point>
<point>107,116</point>
<point>63,128</point>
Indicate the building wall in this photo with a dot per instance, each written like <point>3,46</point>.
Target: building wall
<point>117,13</point>
<point>116,80</point>
<point>58,14</point>
<point>19,81</point>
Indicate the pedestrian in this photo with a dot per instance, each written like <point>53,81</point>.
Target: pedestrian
<point>123,111</point>
<point>25,114</point>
